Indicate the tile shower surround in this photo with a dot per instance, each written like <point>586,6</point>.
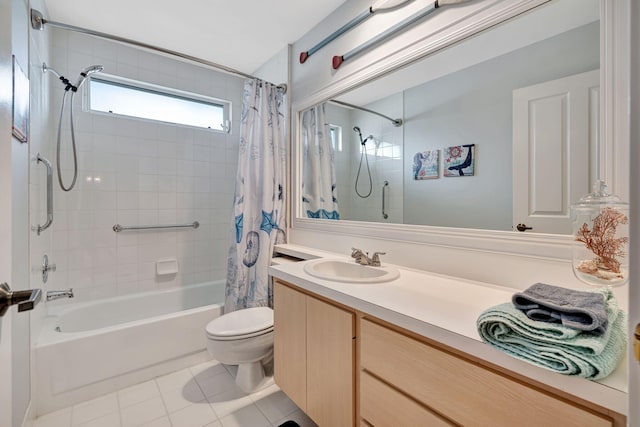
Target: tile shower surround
<point>136,172</point>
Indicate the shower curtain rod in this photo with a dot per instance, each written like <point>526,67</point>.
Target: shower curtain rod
<point>38,22</point>
<point>395,122</point>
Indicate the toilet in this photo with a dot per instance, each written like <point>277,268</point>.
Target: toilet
<point>243,338</point>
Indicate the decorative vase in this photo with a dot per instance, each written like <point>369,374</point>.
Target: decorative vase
<point>600,238</point>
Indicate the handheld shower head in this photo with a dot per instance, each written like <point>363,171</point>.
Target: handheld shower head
<point>91,69</point>
<point>85,73</point>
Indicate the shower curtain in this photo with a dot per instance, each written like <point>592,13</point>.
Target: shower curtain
<point>319,198</point>
<point>258,209</point>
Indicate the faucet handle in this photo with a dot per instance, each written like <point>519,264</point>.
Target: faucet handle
<point>375,259</point>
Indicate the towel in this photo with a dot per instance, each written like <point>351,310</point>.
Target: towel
<point>574,309</point>
<point>554,346</point>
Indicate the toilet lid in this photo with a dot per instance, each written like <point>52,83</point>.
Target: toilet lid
<point>250,321</point>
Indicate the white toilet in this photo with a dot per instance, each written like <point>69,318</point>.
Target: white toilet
<point>243,338</point>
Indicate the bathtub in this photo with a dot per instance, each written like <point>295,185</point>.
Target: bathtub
<point>89,349</point>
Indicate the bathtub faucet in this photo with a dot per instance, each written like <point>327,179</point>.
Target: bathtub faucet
<point>53,295</point>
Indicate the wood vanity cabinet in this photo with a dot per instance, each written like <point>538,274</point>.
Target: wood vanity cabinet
<point>314,352</point>
<point>404,379</point>
<point>400,378</point>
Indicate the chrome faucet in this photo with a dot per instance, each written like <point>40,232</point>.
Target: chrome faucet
<point>363,259</point>
<point>53,295</point>
<point>375,259</point>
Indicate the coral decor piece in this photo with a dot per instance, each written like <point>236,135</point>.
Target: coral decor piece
<point>602,241</point>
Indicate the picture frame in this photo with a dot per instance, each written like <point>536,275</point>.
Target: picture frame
<point>20,108</point>
<point>426,165</point>
<point>459,160</point>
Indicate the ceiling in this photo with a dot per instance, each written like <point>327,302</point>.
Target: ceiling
<point>241,34</point>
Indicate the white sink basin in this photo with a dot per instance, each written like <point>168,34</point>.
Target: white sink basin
<point>338,270</point>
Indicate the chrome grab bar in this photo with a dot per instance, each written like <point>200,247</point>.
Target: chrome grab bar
<point>118,228</point>
<point>40,228</point>
<point>384,214</point>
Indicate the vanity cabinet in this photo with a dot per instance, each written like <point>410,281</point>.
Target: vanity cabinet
<point>404,379</point>
<point>390,376</point>
<point>314,348</point>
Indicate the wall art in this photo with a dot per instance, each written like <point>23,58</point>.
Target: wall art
<point>20,127</point>
<point>459,160</point>
<point>426,165</point>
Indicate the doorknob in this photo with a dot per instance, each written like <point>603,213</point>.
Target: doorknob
<point>523,227</point>
<point>26,299</point>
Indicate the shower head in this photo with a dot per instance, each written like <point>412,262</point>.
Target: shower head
<point>362,141</point>
<point>91,69</point>
<point>85,73</point>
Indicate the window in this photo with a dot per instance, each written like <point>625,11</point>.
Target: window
<point>335,133</point>
<point>113,95</point>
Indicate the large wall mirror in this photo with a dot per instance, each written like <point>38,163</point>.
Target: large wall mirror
<point>499,130</point>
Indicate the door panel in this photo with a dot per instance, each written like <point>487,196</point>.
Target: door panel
<point>555,132</point>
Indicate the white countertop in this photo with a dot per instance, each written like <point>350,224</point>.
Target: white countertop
<point>445,309</point>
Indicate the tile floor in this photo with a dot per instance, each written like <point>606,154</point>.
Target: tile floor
<point>203,395</point>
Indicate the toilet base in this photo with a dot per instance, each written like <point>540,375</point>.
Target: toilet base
<point>251,377</point>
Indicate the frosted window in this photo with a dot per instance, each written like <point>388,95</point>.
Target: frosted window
<point>336,137</point>
<point>154,104</point>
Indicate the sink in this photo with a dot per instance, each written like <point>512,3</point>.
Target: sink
<point>338,270</point>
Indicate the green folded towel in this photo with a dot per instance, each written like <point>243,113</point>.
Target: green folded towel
<point>556,347</point>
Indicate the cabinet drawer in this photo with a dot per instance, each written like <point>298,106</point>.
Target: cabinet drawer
<point>381,405</point>
<point>464,392</point>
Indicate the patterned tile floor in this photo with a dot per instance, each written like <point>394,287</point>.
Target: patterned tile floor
<point>203,395</point>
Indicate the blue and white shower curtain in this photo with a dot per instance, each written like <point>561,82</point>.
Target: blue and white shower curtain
<point>259,203</point>
<point>319,195</point>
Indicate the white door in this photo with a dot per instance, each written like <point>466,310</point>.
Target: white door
<point>14,222</point>
<point>5,247</point>
<point>555,134</point>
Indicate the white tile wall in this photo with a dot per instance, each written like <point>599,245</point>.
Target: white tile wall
<point>137,172</point>
<point>382,166</point>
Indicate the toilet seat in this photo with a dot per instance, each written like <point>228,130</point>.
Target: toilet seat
<point>241,324</point>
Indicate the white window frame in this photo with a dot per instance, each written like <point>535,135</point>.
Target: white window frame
<point>160,90</point>
<point>337,143</point>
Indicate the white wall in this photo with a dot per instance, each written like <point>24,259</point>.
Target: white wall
<point>149,173</point>
<point>384,154</point>
<point>276,69</point>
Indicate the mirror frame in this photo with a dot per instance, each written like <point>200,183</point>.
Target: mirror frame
<point>613,151</point>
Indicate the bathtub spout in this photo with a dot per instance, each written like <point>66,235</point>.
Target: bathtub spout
<point>53,295</point>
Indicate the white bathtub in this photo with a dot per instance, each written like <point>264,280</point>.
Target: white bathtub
<point>89,349</point>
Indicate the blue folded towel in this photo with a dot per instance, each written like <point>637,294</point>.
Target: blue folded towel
<point>556,347</point>
<point>574,309</point>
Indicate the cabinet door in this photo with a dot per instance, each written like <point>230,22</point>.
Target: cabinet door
<point>330,364</point>
<point>464,392</point>
<point>289,320</point>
